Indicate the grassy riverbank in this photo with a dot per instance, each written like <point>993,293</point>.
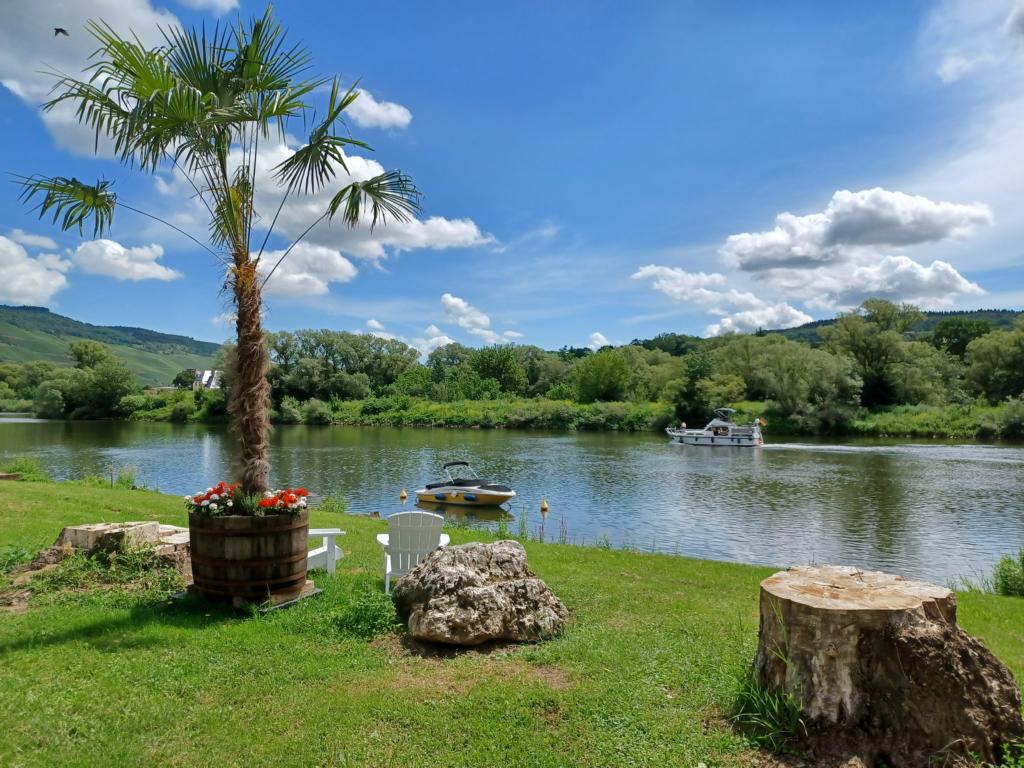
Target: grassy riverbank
<point>643,675</point>
<point>964,422</point>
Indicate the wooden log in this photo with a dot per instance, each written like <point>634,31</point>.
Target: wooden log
<point>880,667</point>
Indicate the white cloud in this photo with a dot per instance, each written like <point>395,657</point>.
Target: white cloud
<point>741,311</point>
<point>597,340</point>
<point>110,258</point>
<point>435,338</point>
<point>28,48</point>
<point>367,112</point>
<point>374,325</point>
<point>468,317</point>
<point>682,285</point>
<point>435,232</point>
<point>28,280</point>
<point>869,218</point>
<point>898,278</point>
<point>216,7</point>
<point>224,319</point>
<point>33,241</point>
<point>768,316</point>
<point>956,66</point>
<point>512,335</point>
<point>307,271</point>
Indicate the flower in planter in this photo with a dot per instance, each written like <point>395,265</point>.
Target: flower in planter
<point>220,500</point>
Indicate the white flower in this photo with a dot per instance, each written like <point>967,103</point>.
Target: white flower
<point>268,494</point>
<point>215,497</point>
<point>213,507</point>
<point>231,503</point>
<point>205,503</point>
<point>188,498</point>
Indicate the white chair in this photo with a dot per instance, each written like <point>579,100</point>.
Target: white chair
<point>327,554</point>
<point>411,537</point>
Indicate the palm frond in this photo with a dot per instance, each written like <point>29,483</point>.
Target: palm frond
<point>261,60</point>
<point>315,164</point>
<point>72,202</point>
<point>391,194</point>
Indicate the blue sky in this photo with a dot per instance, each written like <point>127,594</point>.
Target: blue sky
<point>592,171</point>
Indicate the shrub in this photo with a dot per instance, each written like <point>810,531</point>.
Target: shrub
<point>316,412</point>
<point>1011,419</point>
<point>1008,578</point>
<point>182,410</point>
<point>29,468</point>
<point>290,411</point>
<point>131,403</point>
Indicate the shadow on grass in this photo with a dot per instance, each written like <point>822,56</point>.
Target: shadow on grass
<point>114,633</point>
<point>426,650</point>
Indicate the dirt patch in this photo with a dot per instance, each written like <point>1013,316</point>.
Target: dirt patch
<point>554,678</point>
<point>438,675</point>
<point>15,600</point>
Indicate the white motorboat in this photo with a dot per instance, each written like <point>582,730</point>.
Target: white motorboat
<point>721,430</point>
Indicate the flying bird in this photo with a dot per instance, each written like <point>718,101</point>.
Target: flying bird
<point>60,31</point>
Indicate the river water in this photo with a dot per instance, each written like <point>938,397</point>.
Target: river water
<point>935,511</point>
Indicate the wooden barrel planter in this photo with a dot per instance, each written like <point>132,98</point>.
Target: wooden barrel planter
<point>253,558</point>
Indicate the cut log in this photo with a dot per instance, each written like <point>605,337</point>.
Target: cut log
<point>881,669</point>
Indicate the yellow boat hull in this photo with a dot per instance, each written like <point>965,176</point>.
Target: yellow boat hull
<point>466,498</point>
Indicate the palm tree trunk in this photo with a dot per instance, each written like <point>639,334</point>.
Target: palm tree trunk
<point>250,390</point>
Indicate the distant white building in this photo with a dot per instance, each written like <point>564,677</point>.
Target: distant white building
<point>206,379</point>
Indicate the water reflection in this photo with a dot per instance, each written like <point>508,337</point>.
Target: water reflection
<point>933,510</point>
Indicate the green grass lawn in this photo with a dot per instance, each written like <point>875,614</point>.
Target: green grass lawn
<point>643,675</point>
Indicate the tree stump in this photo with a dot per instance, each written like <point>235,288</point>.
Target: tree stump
<point>881,669</point>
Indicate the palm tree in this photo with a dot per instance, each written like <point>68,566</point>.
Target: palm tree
<point>200,105</point>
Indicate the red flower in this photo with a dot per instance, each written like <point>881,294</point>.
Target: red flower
<point>289,498</point>
<point>301,492</point>
<point>271,502</point>
<point>197,500</point>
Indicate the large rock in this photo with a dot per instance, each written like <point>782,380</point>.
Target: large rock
<point>472,593</point>
<point>882,671</point>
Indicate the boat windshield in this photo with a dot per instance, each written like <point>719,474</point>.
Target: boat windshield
<point>725,414</point>
<point>459,470</point>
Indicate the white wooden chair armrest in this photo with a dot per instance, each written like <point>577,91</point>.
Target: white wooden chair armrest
<point>327,554</point>
<point>383,539</point>
<point>445,540</point>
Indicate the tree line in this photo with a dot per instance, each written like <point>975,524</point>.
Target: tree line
<point>866,362</point>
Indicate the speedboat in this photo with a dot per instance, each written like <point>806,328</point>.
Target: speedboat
<point>465,488</point>
<point>721,430</point>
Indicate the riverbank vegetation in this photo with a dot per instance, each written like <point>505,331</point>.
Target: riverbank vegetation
<point>867,374</point>
<point>119,675</point>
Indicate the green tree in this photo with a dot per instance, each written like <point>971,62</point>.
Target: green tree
<point>446,357</point>
<point>500,363</point>
<point>200,104</point>
<point>891,317</point>
<point>184,379</point>
<point>873,338</point>
<point>996,364</point>
<point>89,354</point>
<point>953,334</point>
<point>602,376</point>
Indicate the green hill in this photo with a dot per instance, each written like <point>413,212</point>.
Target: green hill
<point>998,318</point>
<point>36,333</point>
